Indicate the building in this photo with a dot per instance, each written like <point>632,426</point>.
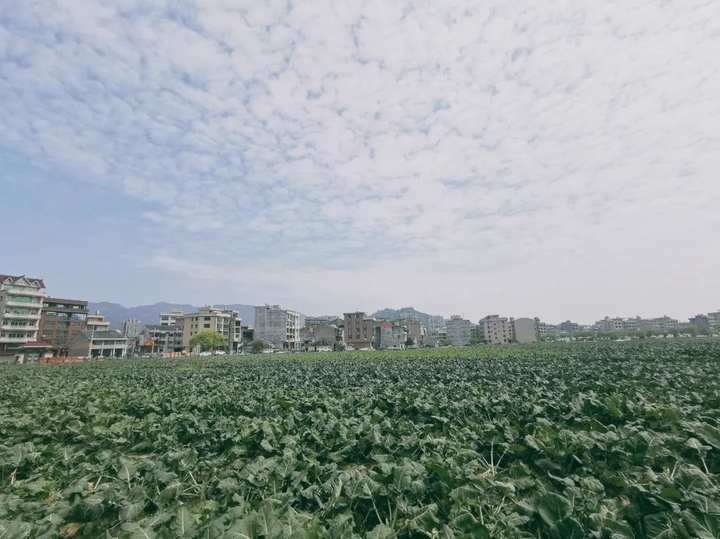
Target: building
<point>459,331</point>
<point>281,328</point>
<point>701,323</point>
<point>108,343</point>
<point>568,327</point>
<point>714,321</point>
<point>172,318</point>
<point>607,325</point>
<point>321,333</point>
<point>525,330</point>
<point>416,332</point>
<point>225,322</point>
<point>389,336</point>
<point>96,322</point>
<point>160,339</point>
<point>62,323</point>
<point>497,329</point>
<point>131,328</point>
<point>21,302</point>
<point>359,330</point>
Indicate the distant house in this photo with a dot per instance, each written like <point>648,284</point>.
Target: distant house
<point>459,331</point>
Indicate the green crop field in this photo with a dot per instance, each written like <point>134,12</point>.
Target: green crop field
<point>611,440</point>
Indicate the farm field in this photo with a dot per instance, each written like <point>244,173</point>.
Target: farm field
<point>606,440</point>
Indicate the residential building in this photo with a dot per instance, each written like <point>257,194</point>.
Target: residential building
<point>359,330</point>
<point>525,330</point>
<point>160,339</point>
<point>131,328</point>
<point>416,331</point>
<point>281,328</point>
<point>321,333</point>
<point>172,318</point>
<point>568,327</point>
<point>435,324</point>
<point>225,322</point>
<point>547,331</point>
<point>497,329</point>
<point>663,323</point>
<point>459,330</point>
<point>701,323</point>
<point>21,302</point>
<point>96,322</point>
<point>102,343</point>
<point>62,322</point>
<point>607,325</point>
<point>714,321</point>
<point>389,336</point>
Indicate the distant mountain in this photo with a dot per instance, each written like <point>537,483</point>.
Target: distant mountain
<point>428,320</point>
<point>150,314</point>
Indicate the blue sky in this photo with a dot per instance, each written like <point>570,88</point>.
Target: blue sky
<point>556,159</point>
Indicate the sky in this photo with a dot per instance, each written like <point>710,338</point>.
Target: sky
<point>558,159</point>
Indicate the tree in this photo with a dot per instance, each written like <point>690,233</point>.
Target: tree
<point>257,347</point>
<point>207,340</point>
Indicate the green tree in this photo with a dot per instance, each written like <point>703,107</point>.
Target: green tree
<point>207,340</point>
<point>257,347</point>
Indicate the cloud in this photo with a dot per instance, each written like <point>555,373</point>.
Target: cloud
<point>354,135</point>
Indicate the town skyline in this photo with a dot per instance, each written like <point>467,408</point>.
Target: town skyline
<point>615,313</point>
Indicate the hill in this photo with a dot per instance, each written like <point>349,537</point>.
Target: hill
<point>150,314</point>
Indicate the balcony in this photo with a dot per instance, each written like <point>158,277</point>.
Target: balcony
<point>25,291</point>
<point>11,302</point>
<point>15,340</point>
<point>17,316</point>
<point>26,327</point>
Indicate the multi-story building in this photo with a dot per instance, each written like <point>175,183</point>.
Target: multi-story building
<point>21,302</point>
<point>62,323</point>
<point>389,336</point>
<point>568,327</point>
<point>102,343</point>
<point>525,330</point>
<point>416,331</point>
<point>607,325</point>
<point>497,329</point>
<point>714,321</point>
<point>459,331</point>
<point>96,322</point>
<point>359,330</point>
<point>225,322</point>
<point>321,333</point>
<point>172,318</point>
<point>279,327</point>
<point>161,339</point>
<point>701,323</point>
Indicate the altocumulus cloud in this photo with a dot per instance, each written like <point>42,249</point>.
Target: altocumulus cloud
<point>452,151</point>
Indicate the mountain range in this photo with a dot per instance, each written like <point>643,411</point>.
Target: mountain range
<point>150,314</point>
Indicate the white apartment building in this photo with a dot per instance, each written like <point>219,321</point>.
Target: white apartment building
<point>496,329</point>
<point>96,322</point>
<point>526,330</point>
<point>279,327</point>
<point>172,318</point>
<point>459,330</point>
<point>21,302</point>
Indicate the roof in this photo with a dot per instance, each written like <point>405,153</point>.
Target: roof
<point>4,278</point>
<point>36,344</point>
<point>67,301</point>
